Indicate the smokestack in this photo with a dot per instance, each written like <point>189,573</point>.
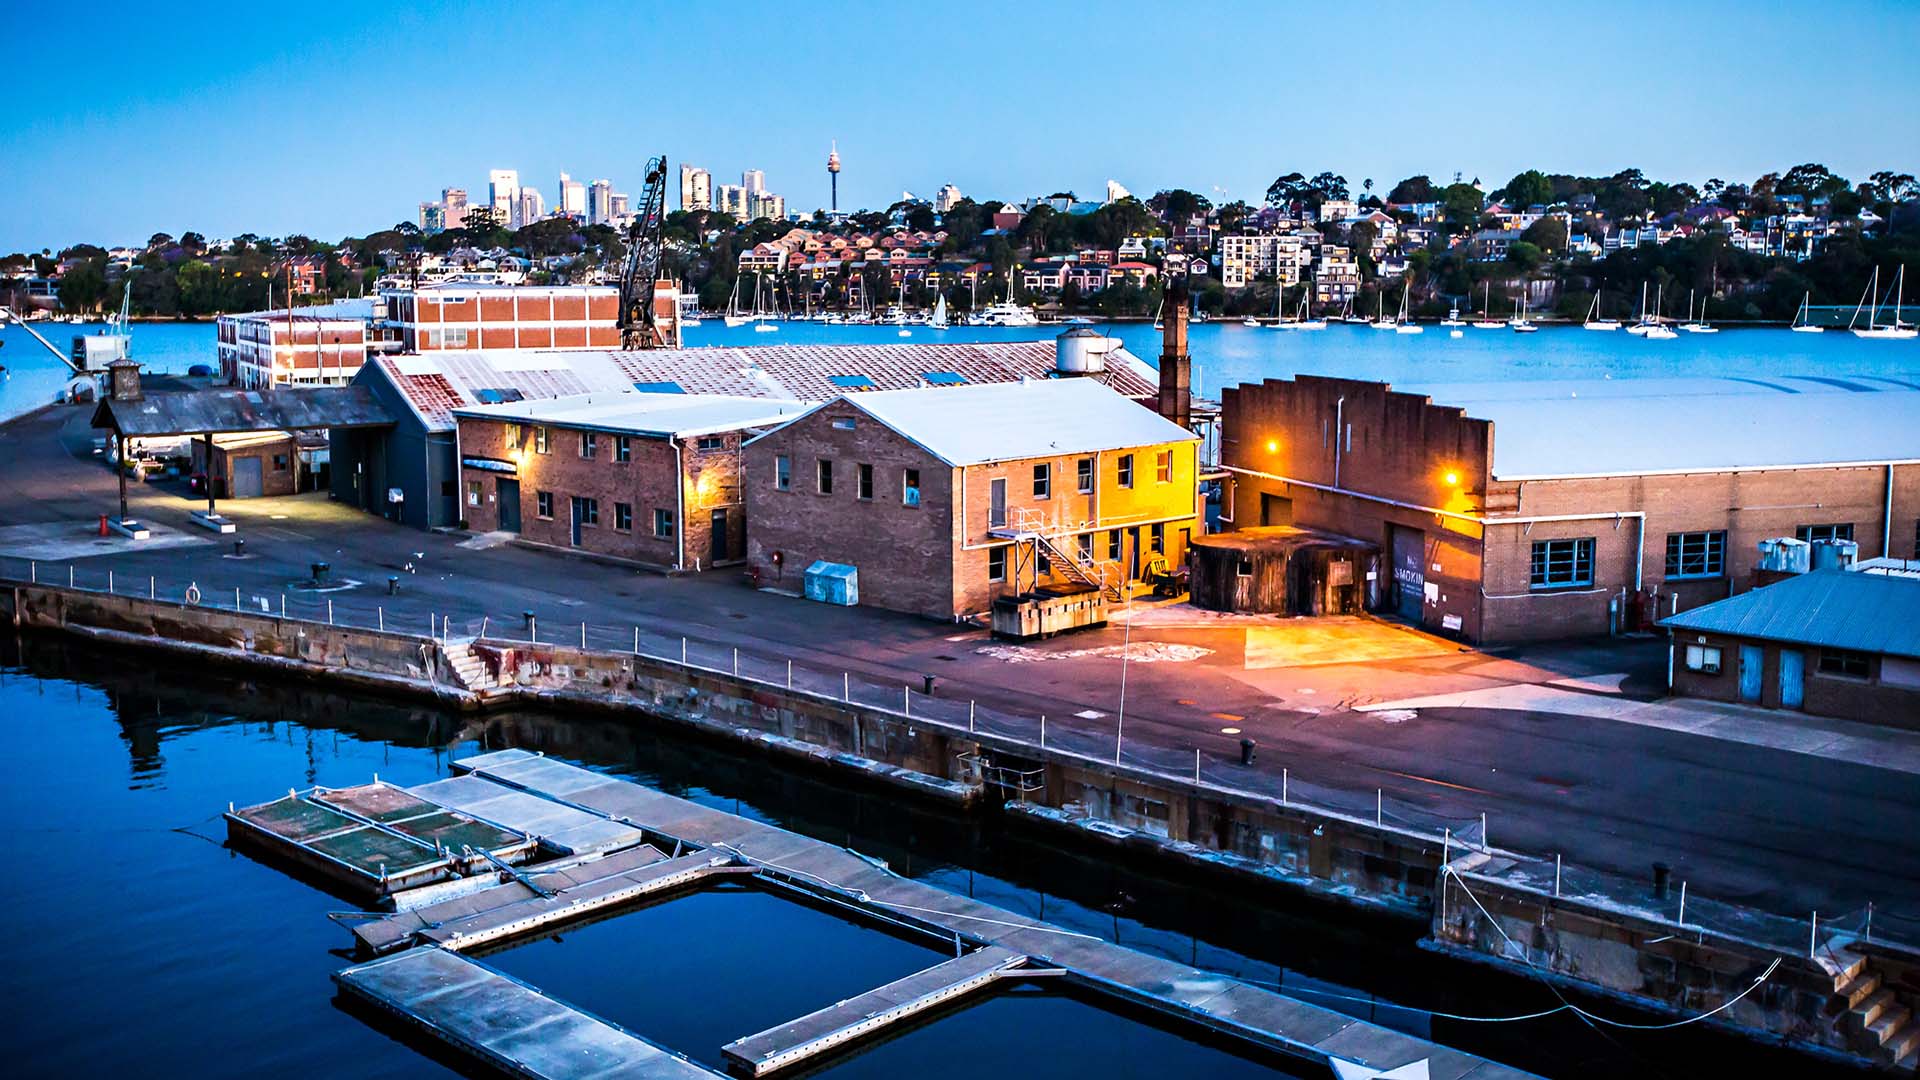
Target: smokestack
<point>1176,367</point>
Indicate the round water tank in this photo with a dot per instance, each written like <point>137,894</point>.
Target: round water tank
<point>1081,351</point>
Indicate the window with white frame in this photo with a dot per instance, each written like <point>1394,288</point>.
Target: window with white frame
<point>1704,659</point>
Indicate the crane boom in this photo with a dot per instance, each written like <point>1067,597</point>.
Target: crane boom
<point>639,328</point>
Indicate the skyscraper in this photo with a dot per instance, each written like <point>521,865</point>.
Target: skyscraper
<point>531,207</point>
<point>455,201</point>
<point>945,198</point>
<point>503,194</point>
<point>616,208</point>
<point>573,197</point>
<point>754,180</point>
<point>833,176</point>
<point>433,217</point>
<point>600,203</point>
<point>696,188</point>
<point>732,199</point>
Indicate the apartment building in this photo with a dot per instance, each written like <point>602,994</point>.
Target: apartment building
<point>462,315</point>
<point>696,188</point>
<point>1336,276</point>
<point>323,345</point>
<point>1243,258</point>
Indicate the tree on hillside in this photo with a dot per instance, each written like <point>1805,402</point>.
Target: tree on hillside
<point>1414,189</point>
<point>1530,188</point>
<point>1549,234</point>
<point>83,287</point>
<point>1178,204</point>
<point>1460,205</point>
<point>1811,180</point>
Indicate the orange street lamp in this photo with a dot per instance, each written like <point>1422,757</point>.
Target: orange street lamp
<point>1273,446</point>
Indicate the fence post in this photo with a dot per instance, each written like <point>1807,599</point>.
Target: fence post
<point>789,674</point>
<point>533,630</point>
<point>1813,935</point>
<point>153,587</point>
<point>906,701</point>
<point>483,626</point>
<point>329,611</point>
<point>846,686</point>
<point>109,582</point>
<point>33,571</point>
<point>683,651</point>
<point>1283,785</point>
<point>1868,936</point>
<point>1196,765</point>
<point>283,605</point>
<point>70,577</point>
<point>583,633</point>
<point>970,721</point>
<point>1683,904</point>
<point>382,609</point>
<point>736,661</point>
<point>1043,731</point>
<point>236,598</point>
<point>1379,807</point>
<point>1556,879</point>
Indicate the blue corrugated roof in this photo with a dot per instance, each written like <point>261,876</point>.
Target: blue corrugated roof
<point>1836,609</point>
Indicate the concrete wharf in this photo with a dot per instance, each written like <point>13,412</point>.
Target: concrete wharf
<point>506,1023</point>
<point>1295,1029</point>
<point>817,1032</point>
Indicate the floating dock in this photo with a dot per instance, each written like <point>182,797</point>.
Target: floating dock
<point>561,828</point>
<point>818,1032</point>
<point>506,1023</point>
<point>375,839</point>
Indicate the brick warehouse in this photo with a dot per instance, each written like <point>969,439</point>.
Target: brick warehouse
<point>1567,508</point>
<point>648,478</point>
<point>927,492</point>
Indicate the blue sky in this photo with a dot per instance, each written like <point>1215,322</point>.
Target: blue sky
<point>339,118</point>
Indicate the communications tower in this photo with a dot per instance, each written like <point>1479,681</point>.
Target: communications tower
<point>833,177</point>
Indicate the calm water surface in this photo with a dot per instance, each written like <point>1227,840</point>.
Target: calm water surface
<point>1225,353</point>
<point>139,945</point>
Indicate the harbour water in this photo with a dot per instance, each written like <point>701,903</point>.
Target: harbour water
<point>1225,353</point>
<point>139,943</point>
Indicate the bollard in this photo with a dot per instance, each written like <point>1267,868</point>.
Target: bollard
<point>1379,807</point>
<point>789,674</point>
<point>926,685</point>
<point>103,524</point>
<point>1661,871</point>
<point>1283,785</point>
<point>383,618</point>
<point>1813,935</point>
<point>1556,875</point>
<point>109,581</point>
<point>329,611</point>
<point>239,549</point>
<point>906,701</point>
<point>636,641</point>
<point>283,605</point>
<point>683,652</point>
<point>33,572</point>
<point>319,570</point>
<point>846,687</point>
<point>153,590</point>
<point>1196,765</point>
<point>526,620</point>
<point>1043,731</point>
<point>393,584</point>
<point>736,661</point>
<point>970,721</point>
<point>1683,904</point>
<point>236,598</point>
<point>70,576</point>
<point>1246,751</point>
<point>583,634</point>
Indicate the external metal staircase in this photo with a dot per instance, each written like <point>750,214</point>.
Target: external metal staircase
<point>1029,526</point>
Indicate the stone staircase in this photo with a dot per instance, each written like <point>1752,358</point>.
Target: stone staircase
<point>1882,1026</point>
<point>468,668</point>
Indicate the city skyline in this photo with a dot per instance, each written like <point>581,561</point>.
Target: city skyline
<point>236,138</point>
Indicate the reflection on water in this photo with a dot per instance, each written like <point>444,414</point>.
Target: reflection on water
<point>135,933</point>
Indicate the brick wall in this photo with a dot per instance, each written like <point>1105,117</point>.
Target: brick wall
<point>646,483</point>
<point>1872,699</point>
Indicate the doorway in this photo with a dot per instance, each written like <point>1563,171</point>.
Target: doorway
<point>1409,572</point>
<point>506,494</point>
<point>997,504</point>
<point>247,482</point>
<point>1753,663</point>
<point>1275,509</point>
<point>720,549</point>
<point>1793,678</point>
<point>579,506</point>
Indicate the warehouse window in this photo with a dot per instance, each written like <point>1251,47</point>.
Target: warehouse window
<point>1836,531</point>
<point>782,473</point>
<point>539,440</point>
<point>586,510</point>
<point>1126,470</point>
<point>1083,547</point>
<point>589,444</point>
<point>910,487</point>
<point>543,504</point>
<point>1696,554</point>
<point>823,479</point>
<point>623,516</point>
<point>1043,481</point>
<point>1113,545</point>
<point>510,434</point>
<point>1163,467</point>
<point>622,449</point>
<point>1562,564</point>
<point>1704,659</point>
<point>1845,662</point>
<point>713,442</point>
<point>997,564</point>
<point>1083,475</point>
<point>863,481</point>
<point>1157,539</point>
<point>662,523</point>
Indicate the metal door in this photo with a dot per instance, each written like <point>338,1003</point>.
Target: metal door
<point>247,483</point>
<point>997,504</point>
<point>506,494</point>
<point>1793,685</point>
<point>574,502</point>
<point>1409,572</point>
<point>1752,663</point>
<point>720,548</point>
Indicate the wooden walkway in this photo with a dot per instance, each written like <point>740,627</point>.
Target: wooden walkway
<point>508,1024</point>
<point>791,1043</point>
<point>1293,1028</point>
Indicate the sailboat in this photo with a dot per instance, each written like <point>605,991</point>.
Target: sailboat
<point>1642,324</point>
<point>1893,330</point>
<point>1800,324</point>
<point>733,317</point>
<point>1520,324</point>
<point>762,321</point>
<point>939,320</point>
<point>1594,321</point>
<point>1402,324</point>
<point>1657,330</point>
<point>1380,320</point>
<point>1453,317</point>
<point>1698,325</point>
<point>1486,321</point>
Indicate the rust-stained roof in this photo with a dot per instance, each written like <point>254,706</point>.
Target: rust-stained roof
<point>437,383</point>
<point>201,412</point>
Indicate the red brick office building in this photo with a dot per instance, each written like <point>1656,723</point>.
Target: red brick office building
<point>1535,510</point>
<point>652,479</point>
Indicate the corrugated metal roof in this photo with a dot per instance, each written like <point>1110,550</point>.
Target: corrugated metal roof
<point>1836,609</point>
<point>970,425</point>
<point>647,414</point>
<point>201,412</point>
<point>436,383</point>
<point>1636,426</point>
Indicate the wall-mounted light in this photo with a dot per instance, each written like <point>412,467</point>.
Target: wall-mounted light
<point>1452,478</point>
<point>1273,446</point>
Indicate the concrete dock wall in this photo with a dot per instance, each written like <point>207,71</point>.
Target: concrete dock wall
<point>1241,836</point>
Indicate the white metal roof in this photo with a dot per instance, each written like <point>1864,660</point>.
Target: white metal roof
<point>974,424</point>
<point>1624,427</point>
<point>636,413</point>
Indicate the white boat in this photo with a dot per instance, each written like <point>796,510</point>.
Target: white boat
<point>1800,324</point>
<point>1380,320</point>
<point>1895,330</point>
<point>733,317</point>
<point>1250,321</point>
<point>1453,317</point>
<point>1401,323</point>
<point>1008,313</point>
<point>1520,324</point>
<point>1594,321</point>
<point>939,320</point>
<point>1486,321</point>
<point>1697,325</point>
<point>1642,324</point>
<point>1657,329</point>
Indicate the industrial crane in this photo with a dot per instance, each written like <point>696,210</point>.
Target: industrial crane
<point>639,329</point>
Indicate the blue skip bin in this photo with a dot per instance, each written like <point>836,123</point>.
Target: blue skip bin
<point>833,583</point>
